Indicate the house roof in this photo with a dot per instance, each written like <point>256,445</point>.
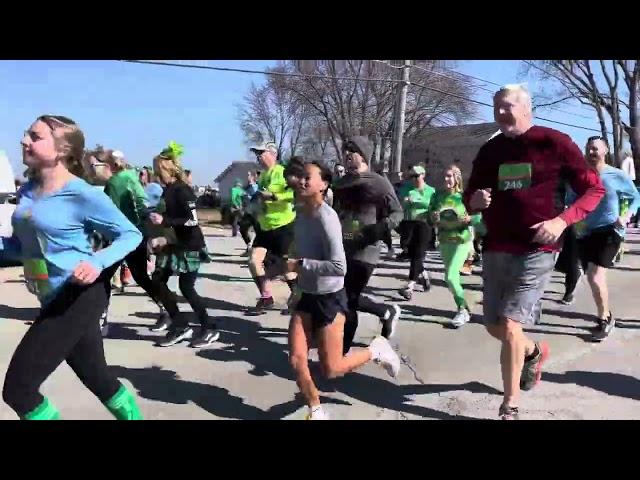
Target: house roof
<point>244,164</point>
<point>475,131</point>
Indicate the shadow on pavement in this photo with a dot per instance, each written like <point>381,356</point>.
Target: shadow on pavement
<point>224,278</point>
<point>28,314</point>
<point>241,261</point>
<point>616,384</point>
<point>166,386</point>
<point>627,269</point>
<point>246,342</point>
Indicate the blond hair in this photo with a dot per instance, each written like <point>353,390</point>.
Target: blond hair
<point>170,166</point>
<point>69,140</point>
<point>457,175</point>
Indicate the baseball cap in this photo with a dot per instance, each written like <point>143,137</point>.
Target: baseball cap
<point>118,154</point>
<point>265,146</point>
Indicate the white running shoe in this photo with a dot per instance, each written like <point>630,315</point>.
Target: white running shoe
<point>317,413</point>
<point>461,318</point>
<point>382,353</point>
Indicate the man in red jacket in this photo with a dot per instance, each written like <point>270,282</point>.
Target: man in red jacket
<point>518,182</point>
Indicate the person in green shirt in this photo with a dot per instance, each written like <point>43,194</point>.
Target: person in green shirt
<point>237,196</point>
<point>448,212</point>
<point>123,187</point>
<point>274,233</point>
<point>416,203</point>
<point>403,230</point>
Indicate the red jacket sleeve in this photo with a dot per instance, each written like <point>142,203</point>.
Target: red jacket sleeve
<point>583,180</point>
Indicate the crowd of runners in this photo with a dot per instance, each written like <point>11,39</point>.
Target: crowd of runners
<point>533,202</point>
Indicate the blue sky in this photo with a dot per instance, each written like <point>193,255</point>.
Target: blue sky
<point>139,108</point>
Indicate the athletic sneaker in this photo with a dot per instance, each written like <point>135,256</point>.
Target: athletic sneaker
<point>402,256</point>
<point>176,335</point>
<point>532,369</point>
<point>466,269</point>
<point>425,280</point>
<point>384,355</point>
<point>604,328</point>
<point>508,413</point>
<point>390,324</point>
<point>406,293</point>
<point>567,299</point>
<point>206,337</point>
<point>317,413</point>
<point>261,307</point>
<point>164,322</point>
<point>461,318</point>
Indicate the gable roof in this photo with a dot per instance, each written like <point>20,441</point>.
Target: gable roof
<point>242,164</point>
<point>480,132</point>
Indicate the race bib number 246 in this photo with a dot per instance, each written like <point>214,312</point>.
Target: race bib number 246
<point>514,176</point>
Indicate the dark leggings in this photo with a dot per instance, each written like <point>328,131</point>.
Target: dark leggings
<point>246,222</point>
<point>419,238</point>
<point>137,263</point>
<point>186,283</point>
<point>569,261</point>
<point>67,329</point>
<point>404,235</point>
<point>356,279</point>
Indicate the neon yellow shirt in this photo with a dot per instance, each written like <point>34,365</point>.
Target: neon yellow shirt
<point>279,212</point>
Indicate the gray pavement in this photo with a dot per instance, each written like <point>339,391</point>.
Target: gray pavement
<point>446,374</point>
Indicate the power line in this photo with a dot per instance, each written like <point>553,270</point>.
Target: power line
<point>243,70</point>
<point>490,105</point>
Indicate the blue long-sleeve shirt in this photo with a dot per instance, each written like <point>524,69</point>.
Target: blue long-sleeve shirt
<point>617,186</point>
<point>51,233</point>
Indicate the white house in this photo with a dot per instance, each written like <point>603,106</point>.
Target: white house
<point>237,170</point>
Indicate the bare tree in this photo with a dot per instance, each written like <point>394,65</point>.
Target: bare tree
<point>349,104</point>
<point>272,113</point>
<point>610,87</point>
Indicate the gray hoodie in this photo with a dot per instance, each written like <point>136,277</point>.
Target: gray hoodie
<point>366,203</point>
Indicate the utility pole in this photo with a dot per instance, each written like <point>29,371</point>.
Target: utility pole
<point>401,108</point>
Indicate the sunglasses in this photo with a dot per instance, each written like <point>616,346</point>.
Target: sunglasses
<point>597,137</point>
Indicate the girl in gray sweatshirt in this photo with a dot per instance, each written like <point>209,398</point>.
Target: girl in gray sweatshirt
<point>319,315</point>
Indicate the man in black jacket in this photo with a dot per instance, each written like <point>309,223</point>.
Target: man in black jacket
<point>368,209</point>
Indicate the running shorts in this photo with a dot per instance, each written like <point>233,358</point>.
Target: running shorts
<point>514,284</point>
<point>323,308</point>
<point>599,247</point>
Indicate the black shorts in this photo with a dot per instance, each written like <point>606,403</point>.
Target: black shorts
<point>276,241</point>
<point>600,247</point>
<point>323,308</point>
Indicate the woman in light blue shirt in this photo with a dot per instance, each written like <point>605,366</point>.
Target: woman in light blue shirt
<point>64,271</point>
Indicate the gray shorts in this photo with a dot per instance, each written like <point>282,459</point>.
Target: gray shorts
<point>514,284</point>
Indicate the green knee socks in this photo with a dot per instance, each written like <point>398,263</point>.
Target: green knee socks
<point>44,411</point>
<point>123,405</point>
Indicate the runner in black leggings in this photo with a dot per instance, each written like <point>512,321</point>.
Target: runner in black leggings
<point>125,190</point>
<point>182,255</point>
<point>61,267</point>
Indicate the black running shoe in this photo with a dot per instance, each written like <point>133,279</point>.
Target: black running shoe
<point>604,328</point>
<point>425,281</point>
<point>390,324</point>
<point>567,299</point>
<point>205,338</point>
<point>261,307</point>
<point>162,324</point>
<point>176,335</point>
